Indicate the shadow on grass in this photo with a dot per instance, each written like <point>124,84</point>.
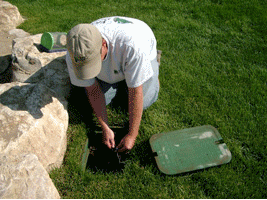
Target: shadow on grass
<point>145,155</point>
<point>79,108</point>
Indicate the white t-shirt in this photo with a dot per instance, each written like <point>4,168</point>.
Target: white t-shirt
<point>131,48</point>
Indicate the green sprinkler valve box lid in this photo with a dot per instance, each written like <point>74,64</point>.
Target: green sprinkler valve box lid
<point>189,149</point>
<point>54,41</point>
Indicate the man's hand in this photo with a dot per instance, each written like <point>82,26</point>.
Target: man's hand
<point>108,138</point>
<point>126,143</point>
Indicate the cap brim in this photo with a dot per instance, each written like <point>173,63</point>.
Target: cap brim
<point>88,69</point>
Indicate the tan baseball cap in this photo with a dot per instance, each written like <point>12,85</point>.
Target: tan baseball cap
<point>84,43</point>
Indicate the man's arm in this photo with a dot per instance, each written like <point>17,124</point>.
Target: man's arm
<point>135,101</point>
<point>97,101</point>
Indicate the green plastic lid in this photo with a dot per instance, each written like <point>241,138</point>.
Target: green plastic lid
<point>47,40</point>
<point>189,149</point>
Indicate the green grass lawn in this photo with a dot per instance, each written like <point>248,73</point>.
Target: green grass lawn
<point>213,71</point>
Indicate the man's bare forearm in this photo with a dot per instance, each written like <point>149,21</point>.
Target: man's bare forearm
<point>97,101</point>
<point>135,109</point>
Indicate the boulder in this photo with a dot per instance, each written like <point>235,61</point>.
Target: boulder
<point>22,176</point>
<point>9,16</point>
<point>5,52</point>
<point>33,119</point>
<point>9,19</point>
<point>18,33</point>
<point>31,65</point>
<point>5,56</point>
<point>5,43</point>
<point>33,116</point>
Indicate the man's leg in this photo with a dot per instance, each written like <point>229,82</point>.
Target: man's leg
<point>151,87</point>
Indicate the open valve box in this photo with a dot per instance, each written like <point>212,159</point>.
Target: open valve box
<point>183,151</point>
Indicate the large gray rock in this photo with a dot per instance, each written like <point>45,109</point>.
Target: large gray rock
<point>33,119</point>
<point>31,65</point>
<point>9,16</point>
<point>9,19</point>
<point>5,43</point>
<point>5,52</point>
<point>22,176</point>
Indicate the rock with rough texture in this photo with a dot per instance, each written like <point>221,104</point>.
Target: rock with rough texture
<point>23,177</point>
<point>18,33</point>
<point>25,61</point>
<point>31,65</point>
<point>5,43</point>
<point>5,52</point>
<point>5,56</point>
<point>9,16</point>
<point>9,19</point>
<point>33,119</point>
